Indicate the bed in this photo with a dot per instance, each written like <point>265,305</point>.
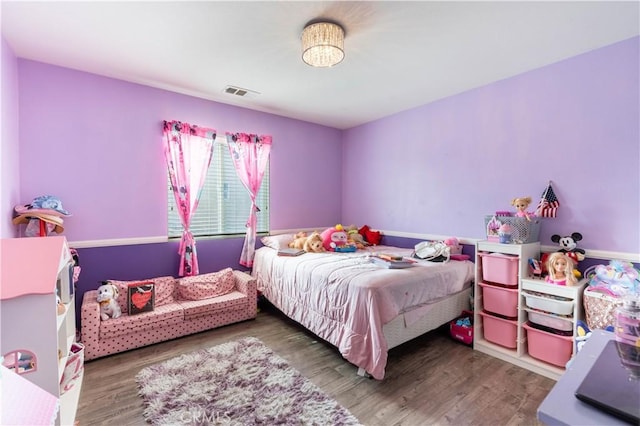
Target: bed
<point>360,307</point>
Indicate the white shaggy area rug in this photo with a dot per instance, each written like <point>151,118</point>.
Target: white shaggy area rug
<point>237,383</point>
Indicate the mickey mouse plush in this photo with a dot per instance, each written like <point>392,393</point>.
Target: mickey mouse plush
<point>568,245</point>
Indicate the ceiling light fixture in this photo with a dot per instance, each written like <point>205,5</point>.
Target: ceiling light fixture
<point>322,44</point>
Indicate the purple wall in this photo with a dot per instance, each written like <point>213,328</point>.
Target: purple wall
<point>440,168</point>
<point>96,143</point>
<point>9,145</point>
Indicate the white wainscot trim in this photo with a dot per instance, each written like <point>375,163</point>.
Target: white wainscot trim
<point>118,242</point>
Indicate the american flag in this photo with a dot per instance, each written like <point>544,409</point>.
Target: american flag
<point>548,205</point>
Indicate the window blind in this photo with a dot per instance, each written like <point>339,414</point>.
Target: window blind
<point>225,204</point>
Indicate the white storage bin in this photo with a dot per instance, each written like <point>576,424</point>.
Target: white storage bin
<point>544,302</point>
<point>548,320</point>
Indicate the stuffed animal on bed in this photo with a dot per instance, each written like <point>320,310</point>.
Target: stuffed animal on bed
<point>314,243</point>
<point>354,237</point>
<point>334,238</point>
<point>370,236</point>
<point>298,241</point>
<point>107,297</point>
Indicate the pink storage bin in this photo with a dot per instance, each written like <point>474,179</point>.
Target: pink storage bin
<point>461,332</point>
<point>549,347</point>
<point>500,268</point>
<point>500,300</point>
<point>500,331</point>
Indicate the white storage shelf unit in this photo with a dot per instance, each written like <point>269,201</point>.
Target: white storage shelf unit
<point>507,337</point>
<point>32,270</point>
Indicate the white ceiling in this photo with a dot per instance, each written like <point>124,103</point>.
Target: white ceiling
<point>399,55</point>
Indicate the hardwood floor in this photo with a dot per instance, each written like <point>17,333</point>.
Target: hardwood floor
<point>432,380</point>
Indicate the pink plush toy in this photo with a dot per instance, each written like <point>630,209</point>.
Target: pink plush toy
<point>333,238</point>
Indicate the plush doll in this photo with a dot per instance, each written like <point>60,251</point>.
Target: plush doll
<point>521,204</point>
<point>371,236</point>
<point>568,245</point>
<point>298,241</point>
<point>354,237</point>
<point>333,238</point>
<point>314,243</point>
<point>107,297</point>
<point>560,267</point>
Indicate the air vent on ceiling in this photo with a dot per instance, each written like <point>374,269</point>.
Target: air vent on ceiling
<point>239,91</point>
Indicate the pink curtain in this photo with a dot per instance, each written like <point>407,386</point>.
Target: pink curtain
<point>250,154</point>
<point>188,150</point>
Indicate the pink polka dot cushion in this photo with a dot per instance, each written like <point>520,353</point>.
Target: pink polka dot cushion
<point>164,289</point>
<point>206,286</point>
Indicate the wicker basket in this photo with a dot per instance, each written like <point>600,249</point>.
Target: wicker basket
<point>600,308</point>
<point>522,230</point>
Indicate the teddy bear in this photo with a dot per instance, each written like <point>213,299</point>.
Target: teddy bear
<point>521,204</point>
<point>107,297</point>
<point>313,243</point>
<point>298,241</point>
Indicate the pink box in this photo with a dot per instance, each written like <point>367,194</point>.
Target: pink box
<point>500,331</point>
<point>549,347</point>
<point>463,333</point>
<point>499,268</point>
<point>500,300</point>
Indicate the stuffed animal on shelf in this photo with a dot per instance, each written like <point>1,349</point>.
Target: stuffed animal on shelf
<point>560,267</point>
<point>568,245</point>
<point>107,297</point>
<point>313,243</point>
<point>298,241</point>
<point>521,204</point>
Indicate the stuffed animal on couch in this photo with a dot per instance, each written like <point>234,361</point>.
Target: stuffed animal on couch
<point>314,243</point>
<point>108,298</point>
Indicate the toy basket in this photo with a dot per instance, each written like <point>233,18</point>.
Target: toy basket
<point>522,230</point>
<point>600,308</point>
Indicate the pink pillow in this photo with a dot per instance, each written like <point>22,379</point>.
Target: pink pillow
<point>164,288</point>
<point>206,286</point>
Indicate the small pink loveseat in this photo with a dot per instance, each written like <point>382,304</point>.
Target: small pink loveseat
<point>171,317</point>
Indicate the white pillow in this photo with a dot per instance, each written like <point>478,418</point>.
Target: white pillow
<point>278,241</point>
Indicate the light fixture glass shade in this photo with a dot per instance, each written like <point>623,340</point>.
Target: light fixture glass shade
<point>323,44</point>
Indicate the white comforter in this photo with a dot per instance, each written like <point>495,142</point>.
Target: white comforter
<point>345,299</point>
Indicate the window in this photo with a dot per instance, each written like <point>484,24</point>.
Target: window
<point>224,202</point>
